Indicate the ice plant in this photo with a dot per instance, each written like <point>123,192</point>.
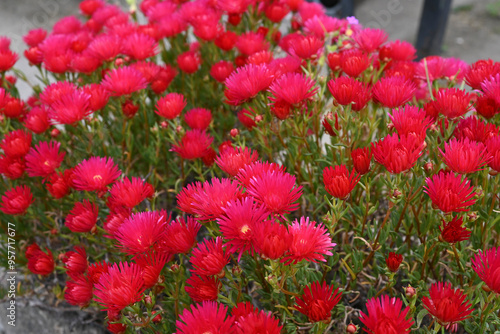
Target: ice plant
<point>16,201</point>
<point>39,262</point>
<point>130,193</point>
<point>361,159</point>
<point>449,192</point>
<point>446,304</point>
<point>44,159</point>
<point>75,261</point>
<point>198,118</point>
<point>246,82</point>
<point>487,267</point>
<point>170,106</point>
<point>465,156</point>
<point>270,239</point>
<point>453,231</point>
<point>193,145</point>
<point>398,154</point>
<point>124,81</point>
<point>95,174</point>
<point>453,102</point>
<point>208,316</point>
<point>349,91</point>
<point>203,288</point>
<point>141,231</point>
<point>318,301</point>
<point>83,217</point>
<point>309,242</point>
<point>209,258</point>
<point>231,160</point>
<point>16,143</point>
<point>119,287</point>
<point>393,91</point>
<point>339,182</point>
<point>386,315</point>
<point>393,261</point>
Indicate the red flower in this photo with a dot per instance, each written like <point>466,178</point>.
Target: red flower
<point>247,118</point>
<point>238,223</point>
<point>261,57</point>
<point>198,118</point>
<point>246,82</point>
<point>16,200</point>
<point>193,145</point>
<point>12,167</point>
<point>140,46</point>
<point>306,47</point>
<point>39,262</point>
<point>83,217</point>
<point>105,47</point>
<point>370,39</point>
<point>491,88</point>
<point>361,158</point>
<point>210,200</point>
<point>95,174</point>
<point>292,90</point>
<point>393,91</point>
<point>180,235</point>
<point>251,42</point>
<point>55,91</point>
<point>453,102</point>
<point>124,81</point>
<point>99,96</point>
<point>122,285</point>
<point>79,291</point>
<point>203,288</point>
<point>130,193</point>
<point>410,120</point>
<point>486,107</point>
<point>75,262</point>
<point>397,51</point>
<point>226,40</point>
<point>231,160</point>
<point>487,267</point>
<point>95,270</point>
<point>7,59</point>
<point>349,91</point>
<point>70,108</point>
<point>16,143</point>
<point>309,242</point>
<point>393,261</point>
<point>465,156</point>
<point>115,219</point>
<point>276,11</point>
<point>270,239</point>
<point>207,317</point>
<point>449,192</point>
<point>385,315</point>
<point>44,159</point>
<point>189,62</point>
<point>88,7</point>
<point>256,169</point>
<point>493,146</point>
<point>59,184</point>
<point>209,258</point>
<point>35,37</point>
<point>453,231</point>
<point>475,129</point>
<point>221,70</point>
<point>276,190</point>
<point>446,304</point>
<point>152,264</point>
<point>141,231</point>
<point>170,106</point>
<point>479,71</point>
<point>398,154</point>
<point>329,122</point>
<point>339,182</point>
<point>318,301</point>
<point>354,62</point>
<point>281,66</point>
<point>250,320</point>
<point>37,120</point>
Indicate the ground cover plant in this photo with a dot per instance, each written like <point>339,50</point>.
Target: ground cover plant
<point>239,166</point>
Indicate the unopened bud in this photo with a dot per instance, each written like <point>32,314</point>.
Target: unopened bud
<point>351,329</point>
<point>234,132</point>
<point>493,172</point>
<point>410,291</point>
<point>236,271</point>
<point>93,231</point>
<point>429,167</point>
<point>174,268</point>
<point>148,301</point>
<point>258,118</point>
<point>156,319</point>
<point>390,126</point>
<point>54,231</point>
<point>396,193</point>
<point>55,132</point>
<point>178,128</point>
<point>164,124</point>
<point>472,216</point>
<point>118,62</point>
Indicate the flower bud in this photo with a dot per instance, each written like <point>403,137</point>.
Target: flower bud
<point>410,291</point>
<point>396,193</point>
<point>175,268</point>
<point>472,216</point>
<point>158,318</point>
<point>234,132</point>
<point>164,124</point>
<point>236,271</point>
<point>393,261</point>
<point>351,329</point>
<point>55,132</point>
<point>428,167</point>
<point>258,118</point>
<point>148,301</point>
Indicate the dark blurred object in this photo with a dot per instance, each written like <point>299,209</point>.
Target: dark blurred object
<point>340,8</point>
<point>432,27</point>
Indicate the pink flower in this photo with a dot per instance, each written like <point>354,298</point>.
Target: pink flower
<point>309,242</point>
<point>124,81</point>
<point>141,231</point>
<point>465,156</point>
<point>386,315</point>
<point>83,217</point>
<point>231,160</point>
<point>207,317</point>
<point>95,174</point>
<point>246,82</point>
<point>398,154</point>
<point>44,159</point>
